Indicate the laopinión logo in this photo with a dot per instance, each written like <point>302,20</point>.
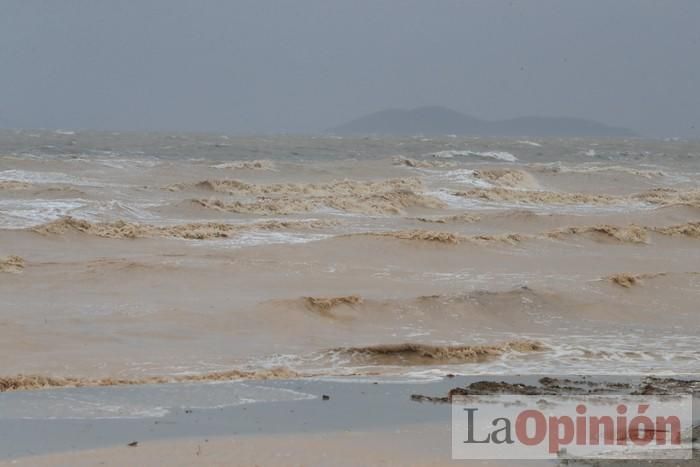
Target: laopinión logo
<point>572,426</point>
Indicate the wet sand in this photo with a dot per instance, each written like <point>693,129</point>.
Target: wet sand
<point>369,421</point>
<point>406,446</point>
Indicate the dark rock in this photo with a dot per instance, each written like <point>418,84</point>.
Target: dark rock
<point>422,398</point>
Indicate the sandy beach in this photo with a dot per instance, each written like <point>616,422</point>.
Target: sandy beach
<point>370,421</point>
<point>397,448</point>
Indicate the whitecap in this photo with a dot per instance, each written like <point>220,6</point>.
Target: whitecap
<point>530,143</point>
<point>18,214</point>
<point>458,176</point>
<point>248,239</point>
<point>28,176</point>
<point>498,155</point>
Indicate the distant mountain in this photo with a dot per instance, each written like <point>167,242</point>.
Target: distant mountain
<point>442,121</point>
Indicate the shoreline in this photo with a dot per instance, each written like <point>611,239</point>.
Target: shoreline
<point>177,422</point>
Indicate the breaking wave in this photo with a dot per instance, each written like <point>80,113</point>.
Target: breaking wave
<point>689,229</point>
<point>628,234</point>
<point>536,197</point>
<point>390,203</point>
<point>457,218</point>
<point>425,354</point>
<point>508,178</point>
<point>34,177</point>
<point>344,187</point>
<point>193,231</point>
<point>40,189</point>
<point>498,155</point>
<point>390,354</point>
<point>387,203</point>
<point>385,197</point>
<point>247,165</point>
<point>658,196</point>
<point>13,185</point>
<point>323,306</point>
<point>356,307</point>
<point>265,207</point>
<point>28,382</point>
<point>634,234</point>
<point>627,280</point>
<point>558,168</point>
<point>444,237</point>
<point>421,235</point>
<point>13,264</point>
<point>421,164</point>
<point>670,197</point>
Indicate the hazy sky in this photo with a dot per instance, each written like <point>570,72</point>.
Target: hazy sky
<point>305,65</point>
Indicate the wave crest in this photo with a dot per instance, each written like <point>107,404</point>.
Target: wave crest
<point>425,354</point>
<point>12,185</point>
<point>247,165</point>
<point>421,164</point>
<point>457,218</point>
<point>508,178</point>
<point>192,231</point>
<point>670,197</point>
<point>634,234</point>
<point>324,305</point>
<point>689,229</point>
<point>649,174</point>
<point>498,155</point>
<point>342,187</point>
<point>536,197</point>
<point>628,280</point>
<point>12,264</point>
<point>29,382</point>
<point>393,202</point>
<point>657,196</point>
<point>628,234</point>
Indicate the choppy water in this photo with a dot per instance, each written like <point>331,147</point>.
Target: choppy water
<point>375,217</point>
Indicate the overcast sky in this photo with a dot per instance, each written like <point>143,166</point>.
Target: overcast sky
<point>304,65</point>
